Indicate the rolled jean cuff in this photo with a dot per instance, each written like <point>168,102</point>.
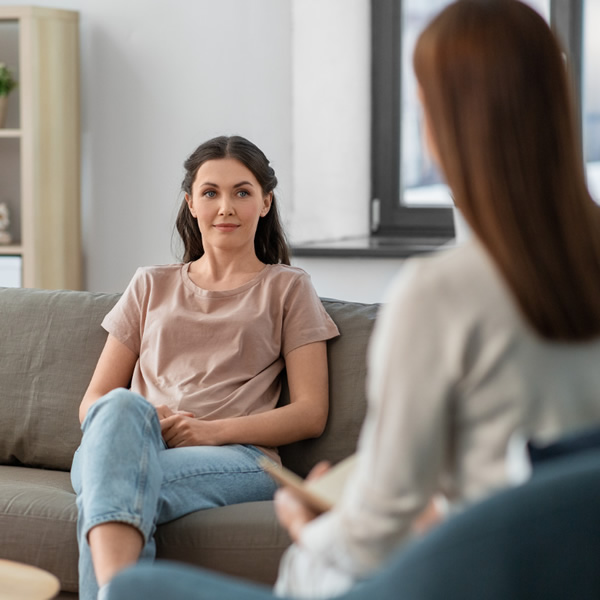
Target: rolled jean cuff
<point>120,517</point>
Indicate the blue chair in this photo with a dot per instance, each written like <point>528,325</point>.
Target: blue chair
<point>540,540</point>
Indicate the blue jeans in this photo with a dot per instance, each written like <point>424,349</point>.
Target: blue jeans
<point>124,472</point>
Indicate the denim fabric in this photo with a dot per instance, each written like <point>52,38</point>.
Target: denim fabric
<point>124,472</point>
<point>165,580</point>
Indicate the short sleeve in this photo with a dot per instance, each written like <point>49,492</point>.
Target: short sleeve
<point>305,320</point>
<point>125,320</point>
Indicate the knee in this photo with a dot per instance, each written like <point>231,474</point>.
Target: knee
<point>164,579</point>
<point>121,404</point>
<point>123,587</point>
<point>139,581</point>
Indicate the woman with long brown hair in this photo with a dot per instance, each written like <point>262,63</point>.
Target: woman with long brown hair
<point>183,401</point>
<point>498,336</point>
<point>495,92</point>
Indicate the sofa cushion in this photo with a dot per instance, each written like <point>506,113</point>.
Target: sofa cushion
<point>38,519</point>
<point>51,341</point>
<point>347,390</point>
<point>244,540</point>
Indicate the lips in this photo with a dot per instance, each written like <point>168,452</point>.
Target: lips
<point>225,227</point>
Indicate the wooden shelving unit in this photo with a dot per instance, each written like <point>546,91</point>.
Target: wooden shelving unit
<point>10,133</point>
<point>40,146</point>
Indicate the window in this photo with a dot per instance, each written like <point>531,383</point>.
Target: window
<point>394,31</point>
<point>591,95</point>
<point>409,196</point>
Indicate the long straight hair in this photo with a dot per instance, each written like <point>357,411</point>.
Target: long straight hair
<point>498,101</point>
<point>270,242</point>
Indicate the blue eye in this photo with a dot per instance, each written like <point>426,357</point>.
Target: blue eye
<point>210,193</point>
<point>243,194</point>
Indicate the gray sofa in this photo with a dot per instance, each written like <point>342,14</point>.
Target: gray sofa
<point>49,345</point>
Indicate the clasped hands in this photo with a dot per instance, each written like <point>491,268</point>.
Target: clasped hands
<point>180,428</point>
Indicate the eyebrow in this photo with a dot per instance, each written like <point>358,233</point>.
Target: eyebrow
<point>237,185</point>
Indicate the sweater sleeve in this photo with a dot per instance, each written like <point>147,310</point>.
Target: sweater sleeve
<point>404,440</point>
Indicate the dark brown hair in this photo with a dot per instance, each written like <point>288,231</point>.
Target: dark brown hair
<point>497,98</point>
<point>269,242</point>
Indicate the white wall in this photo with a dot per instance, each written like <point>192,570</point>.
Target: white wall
<point>355,279</point>
<point>158,78</point>
<point>331,119</point>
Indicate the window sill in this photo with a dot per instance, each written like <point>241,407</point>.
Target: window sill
<point>372,247</point>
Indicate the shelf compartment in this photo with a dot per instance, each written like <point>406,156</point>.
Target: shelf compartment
<point>9,54</point>
<point>11,271</point>
<point>10,184</point>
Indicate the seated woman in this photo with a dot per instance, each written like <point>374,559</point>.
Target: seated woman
<point>203,344</point>
<point>499,335</point>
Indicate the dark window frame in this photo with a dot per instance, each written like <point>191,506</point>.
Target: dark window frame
<point>389,218</point>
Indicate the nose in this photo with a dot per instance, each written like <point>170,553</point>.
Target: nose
<point>226,205</point>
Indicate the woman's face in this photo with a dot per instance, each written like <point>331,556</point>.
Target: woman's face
<point>227,201</point>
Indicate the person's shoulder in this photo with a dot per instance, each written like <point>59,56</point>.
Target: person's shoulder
<point>448,272</point>
<point>150,275</point>
<point>451,264</point>
<point>289,282</point>
<point>287,273</point>
<point>159,270</point>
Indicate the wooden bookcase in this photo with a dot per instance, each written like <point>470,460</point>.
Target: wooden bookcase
<point>40,145</point>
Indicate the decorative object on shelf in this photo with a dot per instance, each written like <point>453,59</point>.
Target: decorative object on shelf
<point>7,84</point>
<point>5,237</point>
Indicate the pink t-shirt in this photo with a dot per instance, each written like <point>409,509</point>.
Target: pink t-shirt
<point>217,354</point>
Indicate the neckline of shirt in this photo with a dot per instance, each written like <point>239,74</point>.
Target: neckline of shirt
<point>199,291</point>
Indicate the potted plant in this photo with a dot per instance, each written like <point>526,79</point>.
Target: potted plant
<point>7,84</point>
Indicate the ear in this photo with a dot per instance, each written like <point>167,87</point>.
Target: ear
<point>268,200</point>
<point>190,204</point>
